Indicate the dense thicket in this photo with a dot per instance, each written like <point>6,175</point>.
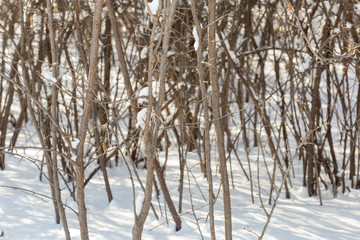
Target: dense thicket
<point>277,76</point>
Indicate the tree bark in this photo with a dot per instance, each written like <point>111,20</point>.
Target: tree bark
<point>55,72</point>
<point>31,110</point>
<point>151,130</point>
<point>79,167</point>
<point>3,126</point>
<point>207,122</point>
<point>217,118</point>
<point>120,52</point>
<point>141,218</point>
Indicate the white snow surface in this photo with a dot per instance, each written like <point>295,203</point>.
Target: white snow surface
<point>48,77</point>
<point>154,6</point>
<point>25,215</point>
<point>138,202</point>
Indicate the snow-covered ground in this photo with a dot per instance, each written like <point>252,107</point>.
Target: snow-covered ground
<point>29,215</point>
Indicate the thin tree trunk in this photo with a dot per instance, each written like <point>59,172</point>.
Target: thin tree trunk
<point>217,118</point>
<point>55,68</point>
<point>3,126</point>
<point>121,55</point>
<point>310,154</point>
<point>101,110</point>
<point>31,110</point>
<point>152,130</point>
<point>170,10</point>
<point>166,193</point>
<point>140,219</point>
<point>18,125</point>
<point>79,167</point>
<point>207,123</point>
<point>101,146</point>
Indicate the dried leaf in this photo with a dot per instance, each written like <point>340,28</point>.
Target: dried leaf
<point>56,10</point>
<point>351,48</point>
<point>2,234</point>
<point>105,148</point>
<point>31,21</point>
<point>289,6</point>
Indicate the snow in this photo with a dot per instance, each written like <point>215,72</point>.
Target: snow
<point>26,216</point>
<point>154,6</point>
<point>138,202</point>
<point>170,53</point>
<point>48,76</point>
<point>357,8</point>
<point>83,15</point>
<point>143,94</point>
<point>196,37</point>
<point>57,16</point>
<point>141,117</point>
<point>143,53</point>
<point>36,22</point>
<point>29,215</point>
<point>181,85</point>
<point>74,143</point>
<point>327,5</point>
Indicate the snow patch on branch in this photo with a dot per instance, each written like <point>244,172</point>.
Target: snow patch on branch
<point>196,37</point>
<point>154,6</point>
<point>143,94</point>
<point>75,142</point>
<point>48,76</point>
<point>141,117</point>
<point>357,8</point>
<point>143,53</point>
